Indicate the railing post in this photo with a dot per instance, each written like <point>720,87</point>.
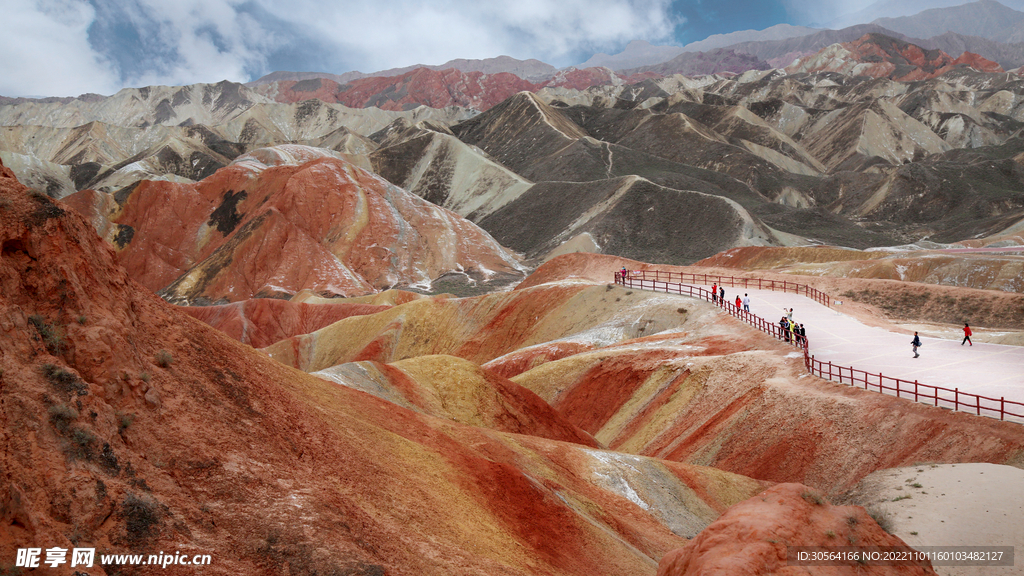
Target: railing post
<point>915,390</point>
<point>1002,407</point>
<point>956,399</point>
<point>880,384</point>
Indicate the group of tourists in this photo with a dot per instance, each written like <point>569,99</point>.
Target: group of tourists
<point>792,331</point>
<point>718,297</point>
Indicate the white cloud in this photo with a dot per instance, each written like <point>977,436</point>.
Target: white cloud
<point>210,40</point>
<point>144,42</point>
<point>396,33</point>
<point>46,52</point>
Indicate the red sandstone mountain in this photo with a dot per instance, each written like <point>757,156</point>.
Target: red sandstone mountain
<point>420,87</point>
<point>437,88</point>
<point>880,56</point>
<point>283,220</point>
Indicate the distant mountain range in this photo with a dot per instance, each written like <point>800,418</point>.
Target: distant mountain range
<point>986,27</point>
<point>526,69</point>
<point>834,137</point>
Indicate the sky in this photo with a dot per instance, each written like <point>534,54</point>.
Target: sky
<point>72,47</point>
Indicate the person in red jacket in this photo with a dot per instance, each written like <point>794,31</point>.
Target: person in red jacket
<point>714,293</point>
<point>967,334</point>
<point>739,302</point>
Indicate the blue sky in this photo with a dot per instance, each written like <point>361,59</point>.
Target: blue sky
<point>70,47</point>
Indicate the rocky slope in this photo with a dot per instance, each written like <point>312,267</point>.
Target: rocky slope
<point>953,265</point>
<point>880,56</point>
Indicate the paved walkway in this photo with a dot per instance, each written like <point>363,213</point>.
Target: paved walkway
<point>991,370</point>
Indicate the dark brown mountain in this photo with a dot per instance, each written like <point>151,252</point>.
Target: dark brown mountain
<point>984,18</point>
<point>721,60</point>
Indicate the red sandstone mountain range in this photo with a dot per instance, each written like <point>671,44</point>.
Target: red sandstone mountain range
<point>873,55</point>
<point>558,425</point>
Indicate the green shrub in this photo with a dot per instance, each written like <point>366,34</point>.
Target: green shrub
<point>163,358</point>
<point>813,498</point>
<point>882,518</point>
<point>64,381</point>
<point>82,442</point>
<point>124,421</point>
<point>61,416</point>
<point>141,517</point>
<point>51,335</point>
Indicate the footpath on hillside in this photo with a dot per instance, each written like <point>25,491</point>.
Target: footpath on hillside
<point>991,370</point>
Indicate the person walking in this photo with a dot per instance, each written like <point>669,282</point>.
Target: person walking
<point>721,295</point>
<point>916,343</point>
<point>967,334</point>
<point>803,335</point>
<point>746,303</point>
<point>737,302</point>
<point>714,293</point>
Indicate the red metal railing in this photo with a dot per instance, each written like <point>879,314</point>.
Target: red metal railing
<point>733,282</point>
<point>936,395</point>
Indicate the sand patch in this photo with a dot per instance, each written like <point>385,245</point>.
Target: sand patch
<point>951,505</point>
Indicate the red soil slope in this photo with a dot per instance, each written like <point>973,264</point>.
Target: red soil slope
<point>212,448</point>
<point>458,390</point>
<point>264,226</point>
<point>752,538</point>
<point>261,322</point>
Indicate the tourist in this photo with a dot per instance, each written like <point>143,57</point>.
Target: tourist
<point>721,295</point>
<point>737,302</point>
<point>916,343</point>
<point>746,303</point>
<point>714,293</point>
<point>784,324</point>
<point>967,334</point>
